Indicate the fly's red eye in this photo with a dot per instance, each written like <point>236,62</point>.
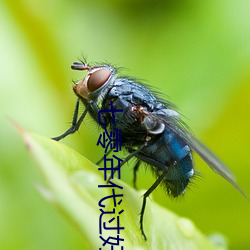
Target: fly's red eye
<point>97,79</point>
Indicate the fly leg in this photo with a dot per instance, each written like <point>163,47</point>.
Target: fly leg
<point>145,196</point>
<point>97,163</point>
<point>136,167</point>
<point>75,123</point>
<point>128,158</point>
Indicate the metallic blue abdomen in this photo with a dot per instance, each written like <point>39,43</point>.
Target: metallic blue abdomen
<point>170,153</point>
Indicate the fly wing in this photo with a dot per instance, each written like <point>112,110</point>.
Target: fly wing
<point>175,124</point>
<point>208,156</point>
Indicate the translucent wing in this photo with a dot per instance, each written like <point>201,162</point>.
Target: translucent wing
<point>208,156</point>
<point>175,124</point>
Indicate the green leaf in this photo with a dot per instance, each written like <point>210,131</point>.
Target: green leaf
<point>72,186</point>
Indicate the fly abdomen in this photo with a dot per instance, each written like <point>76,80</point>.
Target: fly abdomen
<point>168,153</point>
<point>178,176</point>
<point>180,166</point>
<point>177,147</point>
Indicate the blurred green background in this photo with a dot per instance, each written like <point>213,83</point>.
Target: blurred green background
<point>196,52</point>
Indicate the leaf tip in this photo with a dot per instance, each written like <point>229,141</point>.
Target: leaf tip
<point>21,131</point>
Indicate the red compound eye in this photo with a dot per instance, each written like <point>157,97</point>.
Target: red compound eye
<point>97,79</point>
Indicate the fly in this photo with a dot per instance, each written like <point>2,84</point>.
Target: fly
<point>151,129</point>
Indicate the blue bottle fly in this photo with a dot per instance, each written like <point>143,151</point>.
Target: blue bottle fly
<point>151,129</point>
